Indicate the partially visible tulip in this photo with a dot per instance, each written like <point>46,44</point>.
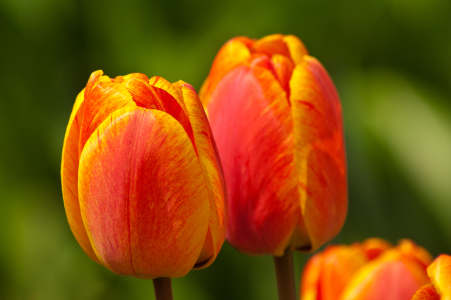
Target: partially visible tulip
<point>277,121</point>
<point>142,182</point>
<point>440,274</point>
<point>371,270</point>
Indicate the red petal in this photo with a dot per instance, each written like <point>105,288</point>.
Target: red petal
<point>252,124</point>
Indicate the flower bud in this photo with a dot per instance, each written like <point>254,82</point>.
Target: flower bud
<point>142,182</point>
<point>277,121</point>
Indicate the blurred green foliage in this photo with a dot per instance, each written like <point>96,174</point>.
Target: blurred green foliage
<point>390,60</point>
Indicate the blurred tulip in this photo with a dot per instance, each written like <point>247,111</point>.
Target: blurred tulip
<point>142,182</point>
<point>440,274</point>
<point>371,270</point>
<point>277,121</point>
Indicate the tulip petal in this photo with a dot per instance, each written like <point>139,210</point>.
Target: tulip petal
<point>392,276</point>
<point>251,121</point>
<point>161,83</point>
<point>340,263</point>
<point>69,177</point>
<point>373,247</point>
<point>421,255</point>
<point>440,273</point>
<point>310,278</point>
<point>283,67</point>
<point>151,97</point>
<point>296,48</point>
<point>137,76</point>
<point>102,99</point>
<point>271,45</point>
<point>427,292</point>
<point>319,154</point>
<point>140,173</point>
<point>212,171</point>
<point>94,79</point>
<point>326,278</point>
<point>234,53</point>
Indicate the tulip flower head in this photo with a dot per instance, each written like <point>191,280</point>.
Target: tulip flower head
<point>277,121</point>
<point>142,182</point>
<point>371,270</point>
<point>440,274</point>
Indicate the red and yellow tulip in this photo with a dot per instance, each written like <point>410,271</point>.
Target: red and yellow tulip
<point>277,121</point>
<point>440,274</point>
<point>142,182</point>
<point>371,270</point>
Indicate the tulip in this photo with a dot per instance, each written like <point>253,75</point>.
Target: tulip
<point>142,181</point>
<point>440,274</point>
<point>371,270</point>
<point>276,117</point>
<point>277,121</point>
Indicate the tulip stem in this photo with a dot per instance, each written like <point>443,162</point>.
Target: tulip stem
<point>285,276</point>
<point>163,288</point>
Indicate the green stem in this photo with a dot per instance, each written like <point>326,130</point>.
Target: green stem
<point>285,276</point>
<point>163,288</point>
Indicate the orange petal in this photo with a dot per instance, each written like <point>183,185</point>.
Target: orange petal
<point>102,99</point>
<point>161,83</point>
<point>271,45</point>
<point>212,171</point>
<point>373,247</point>
<point>151,97</point>
<point>296,48</point>
<point>440,273</point>
<point>422,256</point>
<point>337,267</point>
<point>310,280</point>
<point>142,195</point>
<point>319,151</point>
<point>392,276</point>
<point>340,263</point>
<point>427,292</point>
<point>138,76</point>
<point>234,53</point>
<point>144,94</point>
<point>283,68</point>
<point>69,177</point>
<point>94,80</point>
<point>252,124</point>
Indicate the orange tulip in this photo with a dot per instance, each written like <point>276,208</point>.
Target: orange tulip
<point>440,274</point>
<point>142,182</point>
<point>371,270</point>
<point>277,121</point>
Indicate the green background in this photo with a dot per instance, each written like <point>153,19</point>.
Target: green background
<point>390,61</point>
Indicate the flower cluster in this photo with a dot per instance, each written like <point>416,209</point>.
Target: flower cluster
<point>152,186</point>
